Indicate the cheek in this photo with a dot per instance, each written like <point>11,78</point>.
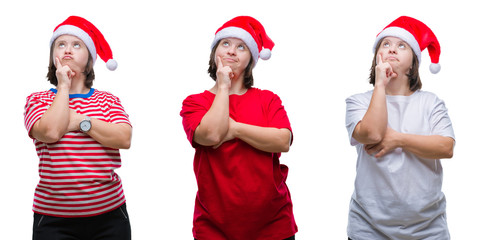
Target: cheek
<point>246,57</point>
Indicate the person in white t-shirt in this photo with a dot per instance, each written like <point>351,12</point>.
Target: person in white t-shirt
<point>400,133</point>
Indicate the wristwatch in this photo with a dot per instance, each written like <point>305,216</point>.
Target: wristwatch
<point>85,124</point>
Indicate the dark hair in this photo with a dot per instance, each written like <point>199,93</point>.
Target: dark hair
<point>413,74</point>
<point>89,73</point>
<point>248,76</point>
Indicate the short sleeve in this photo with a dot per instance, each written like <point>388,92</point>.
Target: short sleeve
<point>356,107</point>
<point>441,124</point>
<point>34,110</point>
<point>193,109</point>
<point>117,112</point>
<point>277,116</point>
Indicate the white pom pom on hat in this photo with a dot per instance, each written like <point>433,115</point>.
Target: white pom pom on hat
<point>418,35</point>
<point>90,35</point>
<point>265,54</point>
<point>251,32</point>
<point>435,67</point>
<point>111,65</point>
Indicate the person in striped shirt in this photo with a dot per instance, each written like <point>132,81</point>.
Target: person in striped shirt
<point>77,132</point>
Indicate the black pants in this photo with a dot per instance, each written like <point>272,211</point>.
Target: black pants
<point>290,238</point>
<point>114,225</point>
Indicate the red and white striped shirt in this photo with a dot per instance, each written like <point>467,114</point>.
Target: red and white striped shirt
<point>77,177</point>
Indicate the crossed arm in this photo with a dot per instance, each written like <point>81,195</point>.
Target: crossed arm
<point>216,127</point>
<point>60,119</point>
<point>379,139</point>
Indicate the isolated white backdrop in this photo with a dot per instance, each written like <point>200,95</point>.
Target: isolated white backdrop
<point>322,55</point>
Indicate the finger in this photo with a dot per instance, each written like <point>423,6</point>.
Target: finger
<point>380,154</point>
<point>58,63</point>
<point>379,59</point>
<point>219,63</point>
<point>232,75</point>
<point>217,146</point>
<point>390,73</point>
<point>393,75</point>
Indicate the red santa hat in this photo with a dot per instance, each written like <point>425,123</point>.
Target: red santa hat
<point>251,32</point>
<point>90,35</point>
<point>417,35</point>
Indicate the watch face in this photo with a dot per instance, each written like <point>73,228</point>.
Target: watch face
<point>85,126</point>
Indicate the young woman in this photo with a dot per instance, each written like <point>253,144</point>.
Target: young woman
<point>400,134</point>
<point>77,132</point>
<point>238,133</point>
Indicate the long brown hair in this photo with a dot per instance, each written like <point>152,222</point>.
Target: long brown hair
<point>89,72</point>
<point>248,75</point>
<point>413,74</point>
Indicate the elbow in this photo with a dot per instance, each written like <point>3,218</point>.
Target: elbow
<point>285,148</point>
<point>368,134</point>
<point>213,139</point>
<point>368,137</point>
<point>285,141</point>
<point>448,153</point>
<point>210,138</point>
<point>374,138</point>
<point>448,149</point>
<point>51,136</point>
<point>125,144</point>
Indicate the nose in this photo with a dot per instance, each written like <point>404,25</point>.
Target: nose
<point>393,48</point>
<point>68,48</point>
<point>232,50</point>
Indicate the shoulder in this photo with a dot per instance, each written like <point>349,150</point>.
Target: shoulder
<point>427,97</point>
<point>104,96</point>
<point>360,97</point>
<point>41,96</point>
<point>205,96</point>
<point>265,95</point>
<point>425,94</point>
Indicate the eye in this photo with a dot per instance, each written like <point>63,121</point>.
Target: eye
<point>241,47</point>
<point>76,45</point>
<point>61,45</point>
<point>402,45</point>
<point>386,44</point>
<point>226,43</point>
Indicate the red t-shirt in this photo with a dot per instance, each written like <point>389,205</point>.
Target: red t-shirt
<point>242,193</point>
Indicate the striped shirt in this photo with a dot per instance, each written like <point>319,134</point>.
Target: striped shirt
<point>77,177</point>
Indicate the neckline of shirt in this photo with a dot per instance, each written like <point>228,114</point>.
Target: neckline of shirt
<point>77,95</point>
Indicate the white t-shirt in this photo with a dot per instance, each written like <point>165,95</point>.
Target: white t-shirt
<point>398,196</point>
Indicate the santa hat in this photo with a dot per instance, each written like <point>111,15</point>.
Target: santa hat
<point>417,35</point>
<point>251,32</point>
<point>90,35</point>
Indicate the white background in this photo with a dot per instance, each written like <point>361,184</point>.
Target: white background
<point>322,55</point>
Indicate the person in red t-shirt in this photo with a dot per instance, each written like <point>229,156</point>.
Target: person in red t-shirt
<point>78,131</point>
<point>238,133</point>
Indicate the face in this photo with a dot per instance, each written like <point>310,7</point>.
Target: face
<point>234,53</point>
<point>397,53</point>
<point>72,52</point>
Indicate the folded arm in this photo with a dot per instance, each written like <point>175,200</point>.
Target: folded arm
<point>266,139</point>
<point>424,146</point>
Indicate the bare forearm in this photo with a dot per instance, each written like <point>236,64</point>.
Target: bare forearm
<point>372,127</point>
<point>110,134</point>
<point>264,138</point>
<point>54,122</point>
<point>214,124</point>
<point>429,147</point>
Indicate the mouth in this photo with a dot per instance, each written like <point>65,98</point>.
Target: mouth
<point>67,58</point>
<point>229,59</point>
<point>391,59</point>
